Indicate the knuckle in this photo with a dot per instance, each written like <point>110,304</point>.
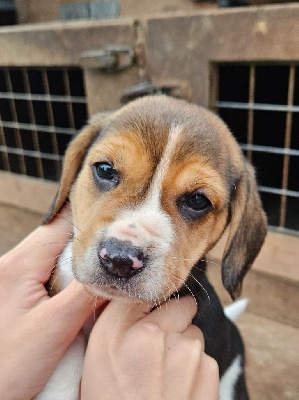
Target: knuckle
<point>193,345</point>
<point>212,366</point>
<point>146,336</point>
<point>187,347</point>
<point>150,328</point>
<point>196,332</point>
<point>8,263</point>
<point>144,342</point>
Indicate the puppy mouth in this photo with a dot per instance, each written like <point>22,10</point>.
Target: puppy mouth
<point>114,268</point>
<point>111,287</point>
<point>137,286</point>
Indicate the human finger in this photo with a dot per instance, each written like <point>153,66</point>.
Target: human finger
<point>38,252</point>
<point>182,358</point>
<point>175,315</point>
<point>122,315</point>
<point>206,386</point>
<point>193,332</point>
<point>68,310</point>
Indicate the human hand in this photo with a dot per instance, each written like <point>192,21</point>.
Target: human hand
<point>35,330</point>
<point>148,356</point>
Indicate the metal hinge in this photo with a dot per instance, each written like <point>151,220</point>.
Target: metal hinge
<point>112,58</point>
<point>174,88</point>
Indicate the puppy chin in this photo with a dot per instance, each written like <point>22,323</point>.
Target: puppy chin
<point>136,289</point>
<point>108,293</point>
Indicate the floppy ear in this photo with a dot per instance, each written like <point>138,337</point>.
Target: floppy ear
<point>73,160</point>
<point>247,231</point>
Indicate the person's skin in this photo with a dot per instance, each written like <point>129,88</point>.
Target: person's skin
<point>148,356</point>
<point>35,331</point>
<point>131,354</point>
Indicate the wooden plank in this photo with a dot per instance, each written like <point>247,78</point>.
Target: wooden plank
<point>29,193</point>
<point>60,43</point>
<point>279,255</point>
<point>239,34</point>
<point>269,295</point>
<point>272,361</point>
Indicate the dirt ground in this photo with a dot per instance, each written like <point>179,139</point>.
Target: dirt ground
<point>15,224</point>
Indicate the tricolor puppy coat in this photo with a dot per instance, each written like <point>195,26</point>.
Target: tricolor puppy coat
<point>152,188</point>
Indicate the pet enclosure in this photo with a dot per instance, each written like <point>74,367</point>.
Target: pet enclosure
<point>242,63</point>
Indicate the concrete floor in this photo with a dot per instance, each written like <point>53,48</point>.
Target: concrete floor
<point>272,347</point>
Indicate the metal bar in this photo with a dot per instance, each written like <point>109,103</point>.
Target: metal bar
<point>70,111</point>
<point>43,97</point>
<point>31,153</point>
<point>4,154</point>
<point>251,111</point>
<point>287,144</point>
<point>270,149</point>
<point>34,134</point>
<point>283,230</point>
<point>257,106</point>
<point>280,192</point>
<point>39,128</point>
<point>214,87</point>
<point>15,117</point>
<point>51,121</point>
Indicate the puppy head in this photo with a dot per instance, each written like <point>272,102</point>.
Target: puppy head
<point>152,187</point>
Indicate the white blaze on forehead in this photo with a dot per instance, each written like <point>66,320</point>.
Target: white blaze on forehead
<point>151,222</point>
<point>154,194</point>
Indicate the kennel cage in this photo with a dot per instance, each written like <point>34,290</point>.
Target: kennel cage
<point>243,64</point>
<point>40,110</point>
<point>260,104</point>
<point>249,74</point>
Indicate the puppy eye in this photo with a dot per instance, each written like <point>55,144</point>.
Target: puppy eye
<point>106,177</point>
<point>197,201</point>
<point>105,171</point>
<point>193,205</point>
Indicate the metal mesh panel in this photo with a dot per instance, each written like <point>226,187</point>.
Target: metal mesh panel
<point>260,103</point>
<point>40,110</point>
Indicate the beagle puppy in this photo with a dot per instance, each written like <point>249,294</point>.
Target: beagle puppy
<point>152,188</point>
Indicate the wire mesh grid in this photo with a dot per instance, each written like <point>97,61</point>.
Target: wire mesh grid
<point>260,103</point>
<point>40,110</point>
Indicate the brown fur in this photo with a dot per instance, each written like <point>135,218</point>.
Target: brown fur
<point>205,156</point>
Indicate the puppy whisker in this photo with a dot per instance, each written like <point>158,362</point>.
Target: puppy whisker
<point>186,286</point>
<point>66,219</point>
<point>193,277</point>
<point>192,294</point>
<point>214,263</point>
<point>185,259</point>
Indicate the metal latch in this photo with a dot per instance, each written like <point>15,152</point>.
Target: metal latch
<point>112,58</point>
<point>174,88</point>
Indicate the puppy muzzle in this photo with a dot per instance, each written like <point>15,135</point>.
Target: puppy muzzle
<point>121,259</point>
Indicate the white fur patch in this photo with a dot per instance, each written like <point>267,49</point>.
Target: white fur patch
<point>154,194</point>
<point>229,380</point>
<point>234,310</point>
<point>64,384</point>
<point>65,265</point>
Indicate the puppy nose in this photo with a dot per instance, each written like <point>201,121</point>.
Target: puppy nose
<point>120,259</point>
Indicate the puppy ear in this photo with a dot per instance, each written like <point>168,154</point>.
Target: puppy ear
<point>247,231</point>
<point>72,163</point>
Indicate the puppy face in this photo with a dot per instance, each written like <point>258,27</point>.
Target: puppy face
<point>152,189</point>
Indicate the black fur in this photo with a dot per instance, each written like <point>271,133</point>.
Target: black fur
<point>223,341</point>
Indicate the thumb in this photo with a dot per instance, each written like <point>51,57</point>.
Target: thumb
<point>68,310</point>
<point>121,315</point>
